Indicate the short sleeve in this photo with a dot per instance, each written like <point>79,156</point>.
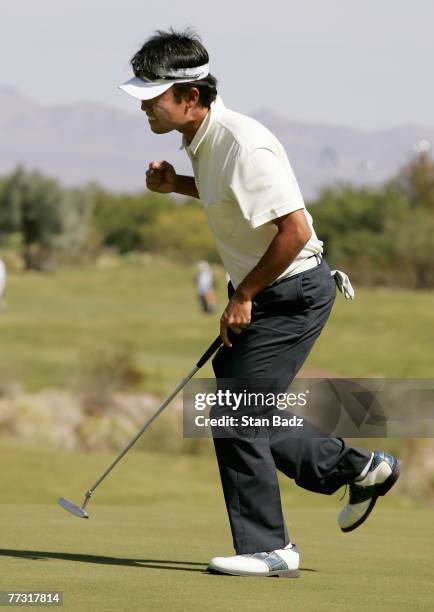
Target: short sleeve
<point>264,186</point>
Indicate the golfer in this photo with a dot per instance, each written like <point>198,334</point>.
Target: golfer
<point>281,293</point>
<point>205,287</point>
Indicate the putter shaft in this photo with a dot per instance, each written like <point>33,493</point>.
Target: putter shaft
<point>208,353</point>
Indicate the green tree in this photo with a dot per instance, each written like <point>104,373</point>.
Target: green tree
<point>182,233</point>
<point>76,240</point>
<point>411,234</point>
<point>356,227</point>
<point>120,219</point>
<point>31,204</point>
<point>416,181</point>
<point>47,218</point>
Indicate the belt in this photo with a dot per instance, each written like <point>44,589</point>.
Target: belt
<point>307,264</point>
<point>341,279</point>
<point>310,262</point>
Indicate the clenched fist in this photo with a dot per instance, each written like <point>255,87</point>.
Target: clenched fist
<point>161,177</point>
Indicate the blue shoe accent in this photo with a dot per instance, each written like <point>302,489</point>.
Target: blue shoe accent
<point>273,560</point>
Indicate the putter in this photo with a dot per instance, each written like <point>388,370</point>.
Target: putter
<point>81,511</point>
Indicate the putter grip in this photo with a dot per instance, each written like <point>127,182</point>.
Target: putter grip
<point>209,352</point>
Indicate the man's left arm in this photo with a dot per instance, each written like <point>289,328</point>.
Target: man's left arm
<point>293,232</point>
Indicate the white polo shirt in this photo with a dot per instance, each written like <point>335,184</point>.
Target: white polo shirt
<point>244,180</point>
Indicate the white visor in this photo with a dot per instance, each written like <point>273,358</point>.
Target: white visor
<point>146,89</point>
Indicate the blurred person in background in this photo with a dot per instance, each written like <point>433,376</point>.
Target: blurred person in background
<point>205,287</point>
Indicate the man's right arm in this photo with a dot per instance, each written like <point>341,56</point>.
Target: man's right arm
<point>185,185</point>
<point>162,178</point>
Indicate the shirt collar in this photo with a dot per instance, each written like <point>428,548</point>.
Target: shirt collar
<point>204,128</point>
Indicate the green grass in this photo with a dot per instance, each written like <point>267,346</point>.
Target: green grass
<point>155,523</point>
<point>159,518</point>
<point>147,306</point>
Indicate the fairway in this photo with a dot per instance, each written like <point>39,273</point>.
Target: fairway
<point>158,519</point>
<point>55,324</point>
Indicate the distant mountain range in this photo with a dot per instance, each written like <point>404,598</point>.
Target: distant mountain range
<point>91,142</point>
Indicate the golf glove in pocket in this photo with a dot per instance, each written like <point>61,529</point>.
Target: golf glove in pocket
<point>343,284</point>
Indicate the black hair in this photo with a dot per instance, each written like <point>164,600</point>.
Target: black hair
<point>166,51</point>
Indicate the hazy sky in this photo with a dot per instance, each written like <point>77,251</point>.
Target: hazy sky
<point>364,64</point>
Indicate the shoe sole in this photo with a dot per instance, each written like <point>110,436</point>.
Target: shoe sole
<point>277,574</point>
<point>381,490</point>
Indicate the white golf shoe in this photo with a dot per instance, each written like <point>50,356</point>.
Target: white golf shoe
<point>283,563</point>
<point>381,475</point>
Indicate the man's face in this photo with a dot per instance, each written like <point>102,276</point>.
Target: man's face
<point>165,113</point>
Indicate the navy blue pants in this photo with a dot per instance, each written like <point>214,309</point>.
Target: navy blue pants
<point>287,318</point>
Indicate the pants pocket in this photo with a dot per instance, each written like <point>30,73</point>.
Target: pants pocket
<point>316,287</point>
<point>282,298</point>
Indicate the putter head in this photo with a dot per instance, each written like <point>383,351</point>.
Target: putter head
<point>72,508</point>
